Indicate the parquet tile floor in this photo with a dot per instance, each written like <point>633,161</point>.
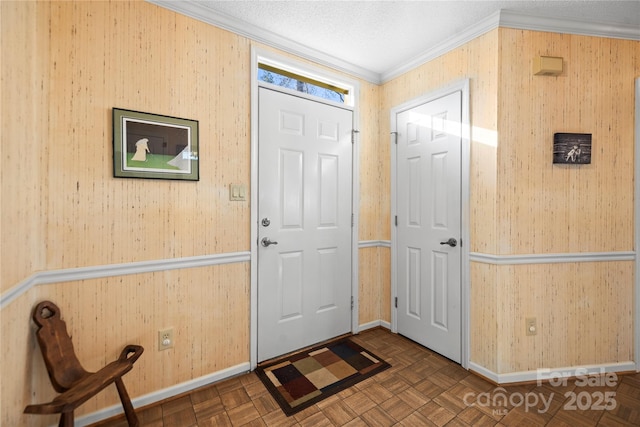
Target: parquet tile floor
<point>421,388</point>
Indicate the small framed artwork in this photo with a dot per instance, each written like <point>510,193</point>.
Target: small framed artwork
<point>572,148</point>
<point>153,146</point>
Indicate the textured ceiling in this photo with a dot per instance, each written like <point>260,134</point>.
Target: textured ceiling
<point>378,36</point>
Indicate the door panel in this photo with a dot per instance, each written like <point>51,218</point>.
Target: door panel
<point>304,190</point>
<point>428,205</point>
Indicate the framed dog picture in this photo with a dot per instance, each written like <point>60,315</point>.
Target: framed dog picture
<point>572,148</point>
<point>153,146</point>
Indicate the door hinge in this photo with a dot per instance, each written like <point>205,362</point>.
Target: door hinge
<point>396,220</point>
<point>352,302</point>
<point>353,135</point>
<point>396,302</point>
<point>395,137</point>
<point>353,220</point>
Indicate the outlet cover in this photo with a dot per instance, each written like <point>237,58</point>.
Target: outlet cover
<point>532,326</point>
<point>165,339</point>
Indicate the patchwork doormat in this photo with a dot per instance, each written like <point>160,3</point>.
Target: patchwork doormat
<point>305,378</point>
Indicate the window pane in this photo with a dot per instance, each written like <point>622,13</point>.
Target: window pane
<point>299,84</point>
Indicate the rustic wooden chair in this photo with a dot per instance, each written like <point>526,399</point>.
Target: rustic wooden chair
<point>68,377</point>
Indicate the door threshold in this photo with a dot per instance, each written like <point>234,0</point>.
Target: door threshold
<point>283,356</point>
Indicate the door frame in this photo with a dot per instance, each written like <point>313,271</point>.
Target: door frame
<point>463,86</point>
<point>259,55</point>
<point>636,191</point>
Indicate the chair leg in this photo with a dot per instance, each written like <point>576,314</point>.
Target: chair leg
<point>132,418</point>
<point>66,419</point>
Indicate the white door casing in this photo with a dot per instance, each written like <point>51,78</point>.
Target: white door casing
<point>427,272</point>
<point>305,200</point>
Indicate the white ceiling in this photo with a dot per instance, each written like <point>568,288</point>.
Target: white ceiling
<point>374,38</point>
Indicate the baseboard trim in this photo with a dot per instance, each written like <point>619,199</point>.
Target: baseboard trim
<point>374,324</point>
<point>157,396</point>
<point>554,373</point>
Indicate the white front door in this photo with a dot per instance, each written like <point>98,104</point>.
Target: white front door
<point>429,224</point>
<point>304,222</point>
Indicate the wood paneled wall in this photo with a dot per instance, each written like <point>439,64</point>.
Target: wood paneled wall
<point>65,66</point>
<point>25,88</point>
<point>546,208</point>
<point>477,61</point>
<point>522,204</point>
<point>584,310</point>
<point>374,220</point>
<point>141,57</point>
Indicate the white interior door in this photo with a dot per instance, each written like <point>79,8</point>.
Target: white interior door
<point>304,210</point>
<point>429,224</point>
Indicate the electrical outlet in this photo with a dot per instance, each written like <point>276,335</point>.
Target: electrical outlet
<point>165,339</point>
<point>531,325</point>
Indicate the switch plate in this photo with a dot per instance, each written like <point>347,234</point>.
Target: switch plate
<point>237,192</point>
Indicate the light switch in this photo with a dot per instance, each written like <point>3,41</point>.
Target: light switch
<point>237,192</point>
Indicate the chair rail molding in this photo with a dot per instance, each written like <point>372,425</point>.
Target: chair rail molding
<point>110,270</point>
<point>551,258</point>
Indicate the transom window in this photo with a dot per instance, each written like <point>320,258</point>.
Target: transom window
<point>291,80</point>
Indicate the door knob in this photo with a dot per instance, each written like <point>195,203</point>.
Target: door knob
<point>266,242</point>
<point>451,242</point>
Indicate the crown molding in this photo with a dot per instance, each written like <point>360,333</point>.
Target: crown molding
<point>476,30</point>
<point>197,11</point>
<point>521,21</point>
<point>517,20</point>
<point>503,18</point>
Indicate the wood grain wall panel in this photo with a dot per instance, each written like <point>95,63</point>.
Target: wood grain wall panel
<point>584,310</point>
<point>483,333</point>
<point>584,313</point>
<point>24,88</point>
<point>21,366</point>
<point>385,284</point>
<point>207,308</point>
<point>375,285</point>
<point>165,64</point>
<point>369,287</point>
<point>84,59</point>
<point>374,218</point>
<point>547,208</point>
<point>374,213</point>
<point>522,204</point>
<point>476,60</point>
<point>74,62</point>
